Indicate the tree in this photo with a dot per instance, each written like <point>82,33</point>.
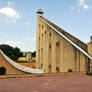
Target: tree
<point>17,52</point>
<point>13,53</point>
<point>34,54</point>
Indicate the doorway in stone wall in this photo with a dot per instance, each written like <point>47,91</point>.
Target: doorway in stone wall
<point>57,70</point>
<point>70,70</point>
<point>49,69</point>
<point>2,70</point>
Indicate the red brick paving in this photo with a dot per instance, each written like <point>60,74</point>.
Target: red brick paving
<point>82,83</point>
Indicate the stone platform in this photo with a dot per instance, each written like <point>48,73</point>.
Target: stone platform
<point>73,83</point>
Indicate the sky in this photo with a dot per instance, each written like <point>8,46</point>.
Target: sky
<point>18,20</point>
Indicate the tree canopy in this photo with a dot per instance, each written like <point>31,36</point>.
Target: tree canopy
<point>34,54</point>
<point>13,53</point>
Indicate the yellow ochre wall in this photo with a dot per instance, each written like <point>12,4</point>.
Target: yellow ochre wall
<point>69,58</point>
<point>9,68</point>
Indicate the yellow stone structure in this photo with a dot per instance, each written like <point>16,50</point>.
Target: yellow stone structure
<point>56,51</point>
<point>59,51</point>
<point>90,46</point>
<point>28,57</point>
<point>8,66</point>
<point>90,51</point>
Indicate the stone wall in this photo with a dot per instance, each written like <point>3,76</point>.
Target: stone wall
<point>9,68</point>
<point>55,54</point>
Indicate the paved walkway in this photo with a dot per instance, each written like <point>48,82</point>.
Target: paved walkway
<point>79,83</point>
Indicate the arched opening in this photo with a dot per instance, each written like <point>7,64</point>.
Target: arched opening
<point>2,71</point>
<point>57,70</point>
<point>39,53</point>
<point>50,37</point>
<point>57,53</point>
<point>39,29</point>
<point>50,34</point>
<point>42,56</point>
<point>39,42</point>
<point>45,31</point>
<point>70,70</point>
<point>50,54</point>
<point>49,69</point>
<point>42,27</point>
<point>42,40</point>
<point>45,36</point>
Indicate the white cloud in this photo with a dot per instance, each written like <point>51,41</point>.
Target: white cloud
<point>27,23</point>
<point>14,43</point>
<point>8,14</point>
<point>85,7</point>
<point>30,39</point>
<point>28,44</point>
<point>34,38</point>
<point>83,4</point>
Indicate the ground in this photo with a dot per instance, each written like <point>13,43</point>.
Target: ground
<point>78,83</point>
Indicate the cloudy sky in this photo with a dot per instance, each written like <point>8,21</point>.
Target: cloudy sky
<point>18,20</point>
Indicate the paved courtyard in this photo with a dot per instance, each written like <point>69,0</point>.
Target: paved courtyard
<point>78,83</point>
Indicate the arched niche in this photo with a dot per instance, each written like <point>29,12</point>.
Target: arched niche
<point>50,54</point>
<point>57,70</point>
<point>70,70</point>
<point>49,69</point>
<point>2,70</point>
<point>57,53</point>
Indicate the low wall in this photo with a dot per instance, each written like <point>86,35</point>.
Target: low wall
<point>41,75</point>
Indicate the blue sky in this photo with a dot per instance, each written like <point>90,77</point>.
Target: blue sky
<point>18,20</point>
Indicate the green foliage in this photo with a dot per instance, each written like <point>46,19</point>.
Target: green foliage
<point>34,54</point>
<point>13,53</point>
<point>13,57</point>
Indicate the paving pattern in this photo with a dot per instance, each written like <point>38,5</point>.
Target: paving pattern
<point>79,83</point>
